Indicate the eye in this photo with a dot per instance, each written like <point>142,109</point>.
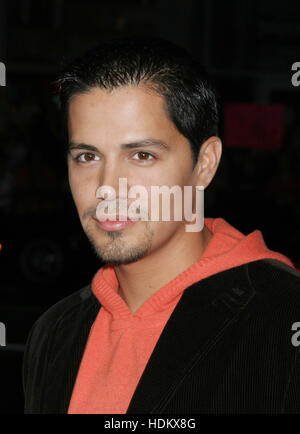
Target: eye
<point>85,157</point>
<point>143,156</point>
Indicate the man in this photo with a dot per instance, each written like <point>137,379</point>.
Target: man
<point>176,321</point>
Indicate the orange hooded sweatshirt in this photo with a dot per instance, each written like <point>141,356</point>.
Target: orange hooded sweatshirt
<point>120,343</point>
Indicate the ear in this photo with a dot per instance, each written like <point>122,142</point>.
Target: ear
<point>208,160</point>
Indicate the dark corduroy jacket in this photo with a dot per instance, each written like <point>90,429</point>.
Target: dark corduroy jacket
<point>227,348</point>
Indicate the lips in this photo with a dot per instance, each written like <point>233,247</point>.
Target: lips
<point>124,218</point>
<point>117,218</point>
<point>116,224</point>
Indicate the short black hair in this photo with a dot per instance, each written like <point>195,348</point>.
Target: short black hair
<point>190,98</point>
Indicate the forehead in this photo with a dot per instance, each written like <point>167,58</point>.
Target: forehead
<point>137,109</point>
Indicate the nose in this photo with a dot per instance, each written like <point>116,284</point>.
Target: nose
<point>109,181</point>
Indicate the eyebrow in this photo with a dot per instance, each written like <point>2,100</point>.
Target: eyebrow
<point>134,145</point>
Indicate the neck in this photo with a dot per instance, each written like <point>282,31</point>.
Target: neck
<point>139,280</point>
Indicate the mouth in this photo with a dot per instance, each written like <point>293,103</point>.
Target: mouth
<point>116,224</point>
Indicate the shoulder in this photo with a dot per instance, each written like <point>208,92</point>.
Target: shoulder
<point>59,321</point>
<point>275,281</point>
<point>275,305</point>
<point>65,308</point>
<point>68,309</point>
<point>66,305</point>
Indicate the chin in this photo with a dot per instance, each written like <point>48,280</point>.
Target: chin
<point>118,254</point>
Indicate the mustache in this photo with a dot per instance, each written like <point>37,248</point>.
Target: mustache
<point>117,207</point>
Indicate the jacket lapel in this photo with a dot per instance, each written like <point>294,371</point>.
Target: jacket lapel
<point>204,312</point>
<point>67,352</point>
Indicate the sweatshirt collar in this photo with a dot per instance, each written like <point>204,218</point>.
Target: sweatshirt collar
<point>228,248</point>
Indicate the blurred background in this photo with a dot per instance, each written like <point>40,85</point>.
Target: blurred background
<point>248,47</point>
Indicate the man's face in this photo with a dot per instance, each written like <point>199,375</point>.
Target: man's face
<point>105,121</point>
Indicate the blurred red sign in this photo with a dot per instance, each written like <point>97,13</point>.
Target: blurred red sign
<point>254,126</point>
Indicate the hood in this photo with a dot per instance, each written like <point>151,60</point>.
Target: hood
<point>230,248</point>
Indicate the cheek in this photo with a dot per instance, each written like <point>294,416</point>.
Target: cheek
<point>74,184</point>
<point>82,192</point>
<point>163,202</point>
